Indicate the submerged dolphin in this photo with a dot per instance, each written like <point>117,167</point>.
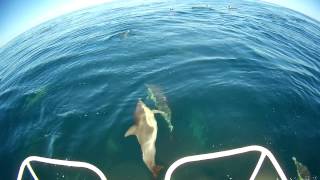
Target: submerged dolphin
<point>145,128</point>
<point>302,171</point>
<point>157,96</point>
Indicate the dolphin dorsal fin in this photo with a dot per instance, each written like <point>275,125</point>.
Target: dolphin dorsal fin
<point>131,131</point>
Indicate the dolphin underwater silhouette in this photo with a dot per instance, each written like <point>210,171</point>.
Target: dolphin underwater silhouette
<point>145,128</point>
<point>157,96</point>
<point>302,170</point>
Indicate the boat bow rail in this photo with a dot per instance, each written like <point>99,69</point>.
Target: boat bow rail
<point>202,157</point>
<point>68,163</point>
<point>188,159</point>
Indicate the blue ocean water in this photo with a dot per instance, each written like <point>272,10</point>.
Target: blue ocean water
<point>232,77</point>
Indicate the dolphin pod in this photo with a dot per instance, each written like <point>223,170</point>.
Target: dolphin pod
<point>145,128</point>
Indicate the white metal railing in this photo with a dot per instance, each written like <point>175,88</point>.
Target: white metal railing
<point>264,153</point>
<point>27,161</point>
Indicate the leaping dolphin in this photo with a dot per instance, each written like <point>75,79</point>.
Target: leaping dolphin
<point>145,128</point>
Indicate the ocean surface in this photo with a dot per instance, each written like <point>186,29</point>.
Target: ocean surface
<point>232,77</point>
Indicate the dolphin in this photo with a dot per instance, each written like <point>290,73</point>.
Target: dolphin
<point>231,8</point>
<point>302,170</point>
<point>160,100</point>
<point>35,97</point>
<point>200,7</point>
<point>145,128</point>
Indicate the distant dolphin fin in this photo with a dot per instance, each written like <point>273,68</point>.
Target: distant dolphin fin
<point>131,131</point>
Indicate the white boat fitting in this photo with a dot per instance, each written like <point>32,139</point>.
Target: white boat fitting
<point>77,164</point>
<point>202,157</point>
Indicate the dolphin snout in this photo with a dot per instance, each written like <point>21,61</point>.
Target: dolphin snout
<point>140,102</point>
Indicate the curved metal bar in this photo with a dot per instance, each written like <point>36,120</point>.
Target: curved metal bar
<point>27,161</point>
<point>258,166</point>
<point>220,154</point>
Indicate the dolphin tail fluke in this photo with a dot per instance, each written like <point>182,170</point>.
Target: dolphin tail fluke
<point>131,131</point>
<point>156,170</point>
